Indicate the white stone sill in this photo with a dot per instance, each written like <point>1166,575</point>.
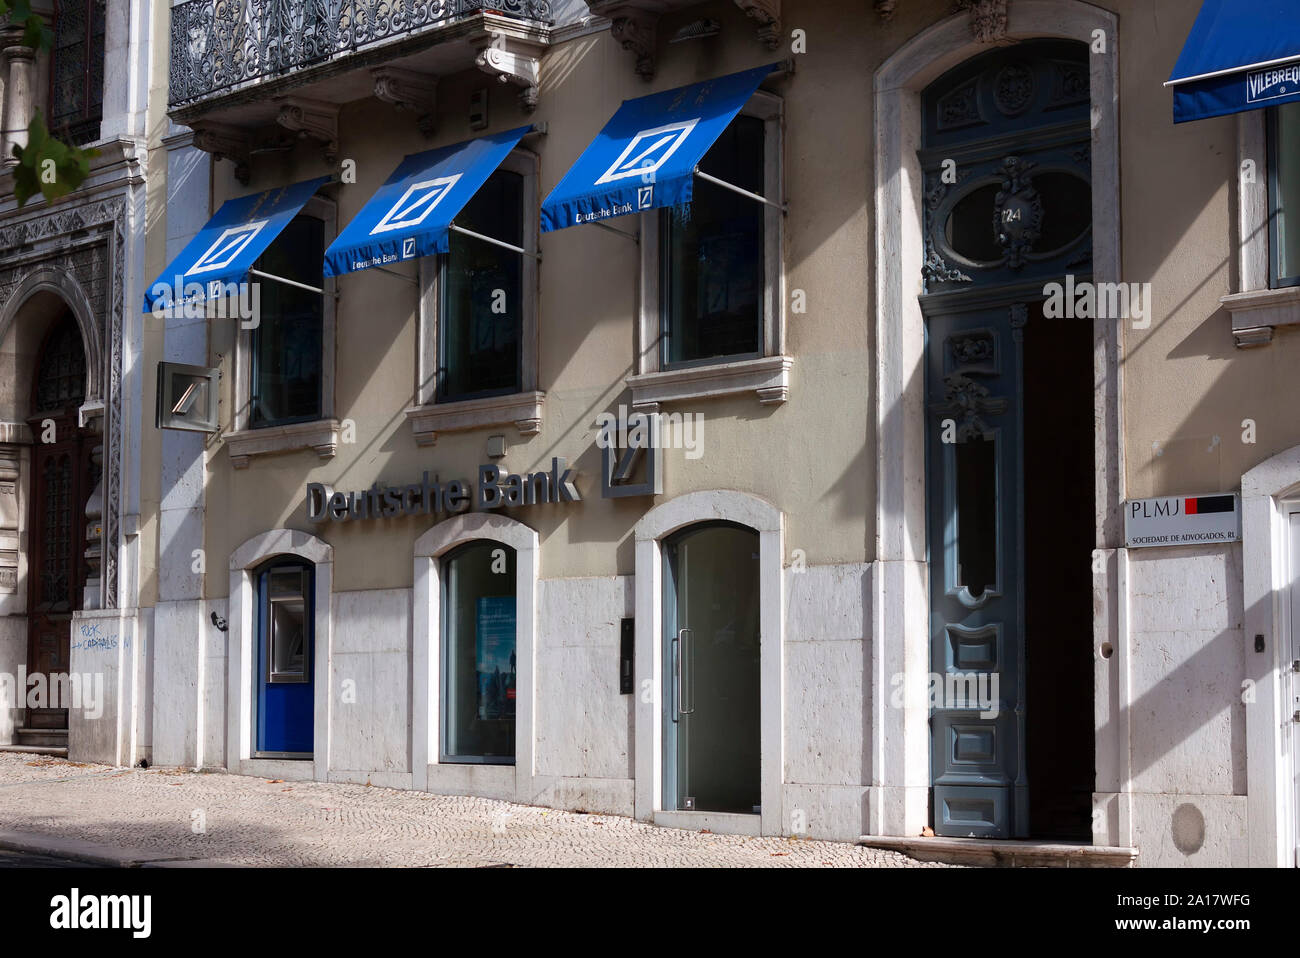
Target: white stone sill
<point>522,410</point>
<point>1257,312</point>
<point>321,435</point>
<point>768,377</point>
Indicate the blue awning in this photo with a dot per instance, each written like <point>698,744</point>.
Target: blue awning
<point>411,214</point>
<point>1241,55</point>
<point>645,156</point>
<point>227,247</point>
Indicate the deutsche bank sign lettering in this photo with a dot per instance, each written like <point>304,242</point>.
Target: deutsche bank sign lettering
<point>419,200</point>
<point>648,150</point>
<point>226,248</point>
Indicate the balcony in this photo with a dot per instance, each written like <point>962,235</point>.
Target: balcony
<point>241,67</point>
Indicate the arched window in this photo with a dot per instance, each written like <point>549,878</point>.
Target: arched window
<point>61,373</point>
<point>77,70</point>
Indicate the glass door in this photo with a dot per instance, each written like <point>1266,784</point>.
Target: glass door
<point>711,670</point>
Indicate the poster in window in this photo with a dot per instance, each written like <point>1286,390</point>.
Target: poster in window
<point>495,657</point>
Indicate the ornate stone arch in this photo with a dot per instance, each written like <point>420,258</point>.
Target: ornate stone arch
<point>900,619</point>
<point>81,250</point>
<point>64,285</point>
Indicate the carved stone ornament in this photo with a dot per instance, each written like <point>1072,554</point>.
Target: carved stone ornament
<point>766,15</point>
<point>311,118</point>
<point>936,270</point>
<point>410,91</point>
<point>1017,211</point>
<point>972,350</point>
<point>509,66</point>
<point>968,402</point>
<point>1013,89</point>
<point>635,32</point>
<point>224,142</point>
<point>988,19</point>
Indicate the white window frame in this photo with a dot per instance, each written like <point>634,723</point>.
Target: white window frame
<point>767,376</point>
<point>522,409</point>
<point>428,773</point>
<point>321,435</point>
<point>1256,308</point>
<point>241,664</point>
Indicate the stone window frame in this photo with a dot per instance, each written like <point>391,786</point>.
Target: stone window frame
<point>654,528</point>
<point>524,409</point>
<point>245,563</point>
<point>517,782</point>
<point>767,376</point>
<point>1256,307</point>
<point>321,434</point>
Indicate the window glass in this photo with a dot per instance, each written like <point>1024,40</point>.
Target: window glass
<point>482,295</point>
<point>285,613</point>
<point>977,514</point>
<point>77,70</point>
<point>713,255</point>
<point>286,594</point>
<point>287,342</point>
<point>478,643</point>
<point>1284,199</point>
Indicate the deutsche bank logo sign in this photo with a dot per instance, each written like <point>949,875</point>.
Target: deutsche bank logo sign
<point>416,204</point>
<point>648,151</point>
<point>227,247</point>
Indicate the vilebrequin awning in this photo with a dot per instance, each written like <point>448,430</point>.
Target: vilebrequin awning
<point>1241,55</point>
<point>646,156</point>
<point>412,214</point>
<point>224,251</point>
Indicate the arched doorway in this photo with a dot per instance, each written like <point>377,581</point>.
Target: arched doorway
<point>62,479</point>
<point>711,667</point>
<point>1009,442</point>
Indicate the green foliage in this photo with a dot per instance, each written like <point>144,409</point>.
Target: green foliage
<point>46,165</point>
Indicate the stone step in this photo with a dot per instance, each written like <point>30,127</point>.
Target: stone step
<point>43,737</point>
<point>37,750</point>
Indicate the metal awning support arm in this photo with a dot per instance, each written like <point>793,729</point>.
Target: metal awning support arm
<point>287,282</point>
<point>634,237</point>
<point>783,207</point>
<point>495,242</point>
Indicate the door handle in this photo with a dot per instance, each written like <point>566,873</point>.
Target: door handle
<point>685,649</point>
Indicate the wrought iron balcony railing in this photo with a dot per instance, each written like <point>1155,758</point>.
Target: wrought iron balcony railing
<point>219,44</point>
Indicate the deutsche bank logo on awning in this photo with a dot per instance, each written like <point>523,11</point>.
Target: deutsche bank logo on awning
<point>648,151</point>
<point>227,247</point>
<point>416,203</point>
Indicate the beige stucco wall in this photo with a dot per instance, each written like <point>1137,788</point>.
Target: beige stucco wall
<point>1187,387</point>
<point>810,455</point>
<point>1184,381</point>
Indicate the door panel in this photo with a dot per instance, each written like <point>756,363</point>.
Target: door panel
<point>56,573</point>
<point>974,459</point>
<point>711,669</point>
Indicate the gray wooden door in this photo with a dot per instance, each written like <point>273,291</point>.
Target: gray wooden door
<point>1007,208</point>
<point>974,453</point>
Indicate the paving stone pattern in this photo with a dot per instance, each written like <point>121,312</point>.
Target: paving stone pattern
<point>255,821</point>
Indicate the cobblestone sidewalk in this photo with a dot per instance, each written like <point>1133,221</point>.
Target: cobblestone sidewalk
<point>255,821</point>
